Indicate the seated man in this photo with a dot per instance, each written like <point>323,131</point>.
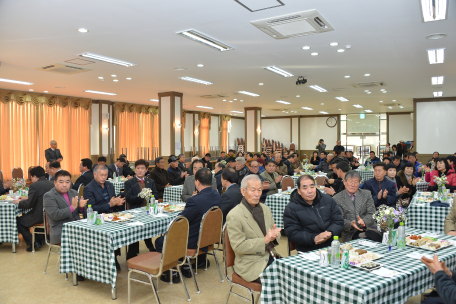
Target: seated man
<point>102,162</point>
<point>190,189</point>
<point>102,196</point>
<point>450,221</point>
<point>160,176</point>
<point>254,169</point>
<point>34,201</point>
<point>357,207</point>
<point>222,157</point>
<point>311,219</point>
<point>190,169</point>
<point>4,188</point>
<point>324,163</point>
<point>445,282</point>
<point>207,161</point>
<point>54,167</point>
<point>241,168</point>
<point>181,163</point>
<point>132,189</point>
<point>294,161</point>
<point>252,232</point>
<point>397,163</point>
<point>117,167</point>
<point>281,168</point>
<point>219,167</point>
<point>232,162</point>
<point>232,195</point>
<point>337,184</point>
<point>272,179</point>
<point>85,167</point>
<point>372,159</point>
<point>176,176</point>
<point>194,210</point>
<point>383,190</point>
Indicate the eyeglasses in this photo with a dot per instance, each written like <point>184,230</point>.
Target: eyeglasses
<point>353,182</point>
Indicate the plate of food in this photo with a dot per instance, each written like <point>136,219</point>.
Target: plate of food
<point>361,256</point>
<point>6,198</point>
<point>368,266</point>
<point>426,242</point>
<point>118,217</point>
<point>173,208</point>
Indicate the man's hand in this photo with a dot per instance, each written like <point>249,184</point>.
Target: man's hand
<point>16,201</point>
<point>361,222</point>
<point>330,181</point>
<point>59,160</point>
<point>195,193</point>
<point>322,237</point>
<point>278,179</point>
<point>329,191</point>
<point>354,225</point>
<point>74,202</point>
<point>113,201</point>
<point>120,201</point>
<point>266,185</point>
<point>379,195</point>
<point>167,185</point>
<point>8,184</point>
<point>272,234</point>
<point>129,176</point>
<point>452,233</point>
<point>433,265</point>
<point>82,202</point>
<point>182,174</point>
<point>385,193</point>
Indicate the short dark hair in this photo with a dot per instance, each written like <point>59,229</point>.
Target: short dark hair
<point>447,165</point>
<point>303,177</point>
<point>222,152</point>
<point>204,176</point>
<point>406,155</point>
<point>372,152</point>
<point>197,161</point>
<point>412,154</point>
<point>335,152</point>
<point>123,155</point>
<point>37,172</point>
<point>230,175</point>
<point>386,158</point>
<point>102,159</point>
<point>324,152</point>
<point>158,159</point>
<point>258,154</point>
<point>342,165</point>
<point>141,162</point>
<point>269,161</point>
<point>54,164</point>
<point>452,158</point>
<point>391,166</point>
<point>207,154</point>
<point>231,150</point>
<point>264,154</point>
<point>122,160</point>
<point>397,157</point>
<point>180,155</point>
<point>220,165</point>
<point>406,165</point>
<point>231,159</point>
<point>381,164</point>
<point>86,162</point>
<point>62,173</point>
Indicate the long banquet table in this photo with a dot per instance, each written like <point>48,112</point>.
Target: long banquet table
<point>8,225</point>
<point>173,194</point>
<point>296,280</point>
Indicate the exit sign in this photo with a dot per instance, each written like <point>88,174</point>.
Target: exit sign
<point>362,116</point>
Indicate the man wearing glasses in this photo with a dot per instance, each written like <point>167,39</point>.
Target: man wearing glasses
<point>254,170</point>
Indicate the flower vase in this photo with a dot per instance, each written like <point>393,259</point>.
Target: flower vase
<point>390,237</point>
<point>441,192</point>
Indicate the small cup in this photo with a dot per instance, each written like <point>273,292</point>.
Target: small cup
<point>289,188</point>
<point>11,192</point>
<point>280,191</point>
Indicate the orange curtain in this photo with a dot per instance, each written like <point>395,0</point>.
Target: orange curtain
<point>204,135</point>
<point>224,138</point>
<point>19,145</point>
<point>156,137</point>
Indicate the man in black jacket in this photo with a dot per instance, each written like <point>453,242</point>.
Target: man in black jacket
<point>181,162</point>
<point>160,176</point>
<point>86,177</point>
<point>132,189</point>
<point>336,184</point>
<point>53,154</point>
<point>222,157</point>
<point>232,195</point>
<point>207,161</point>
<point>338,148</point>
<point>219,167</point>
<point>34,201</point>
<point>175,175</point>
<point>311,219</point>
<point>445,281</point>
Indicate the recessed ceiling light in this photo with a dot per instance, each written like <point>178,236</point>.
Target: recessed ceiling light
<point>231,101</point>
<point>100,77</point>
<point>368,111</point>
<point>284,102</point>
<point>369,92</point>
<point>366,90</point>
<point>279,71</point>
<point>286,112</point>
<point>261,83</point>
<point>128,78</point>
<point>200,65</point>
<point>16,81</point>
<point>114,75</point>
<point>298,96</point>
<point>334,44</point>
<point>394,100</point>
<point>434,10</point>
<point>347,76</point>
<point>322,104</point>
<point>180,69</point>
<point>31,90</point>
<point>115,80</point>
<point>249,93</point>
<point>236,112</point>
<point>340,50</point>
<point>318,88</point>
<point>241,100</point>
<point>107,59</point>
<point>46,91</point>
<point>314,54</point>
<point>342,98</point>
<point>381,100</point>
<point>382,90</point>
<point>235,99</point>
<point>323,112</point>
<point>306,47</point>
<point>390,107</point>
<point>358,106</point>
<point>367,74</point>
<point>206,40</point>
<point>438,94</point>
<point>186,78</point>
<point>340,109</point>
<point>98,92</point>
<point>82,30</point>
<point>204,107</point>
<point>224,99</point>
<point>436,56</point>
<point>437,80</point>
<point>385,91</point>
<point>401,107</point>
<point>306,108</point>
<point>154,100</point>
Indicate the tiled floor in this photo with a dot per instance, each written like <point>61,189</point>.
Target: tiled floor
<point>22,281</point>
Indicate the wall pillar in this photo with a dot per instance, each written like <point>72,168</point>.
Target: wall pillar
<point>252,129</point>
<point>171,130</point>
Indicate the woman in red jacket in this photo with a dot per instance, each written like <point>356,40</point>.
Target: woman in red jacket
<point>442,168</point>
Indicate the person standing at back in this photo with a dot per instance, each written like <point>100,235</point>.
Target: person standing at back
<point>321,146</point>
<point>338,148</point>
<point>53,154</point>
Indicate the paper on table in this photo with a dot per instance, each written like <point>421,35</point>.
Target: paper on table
<point>134,211</point>
<point>135,224</point>
<point>367,243</point>
<point>417,255</point>
<point>84,220</point>
<point>309,256</point>
<point>383,272</point>
<point>160,215</point>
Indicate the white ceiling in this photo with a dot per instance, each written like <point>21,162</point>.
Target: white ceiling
<point>387,38</point>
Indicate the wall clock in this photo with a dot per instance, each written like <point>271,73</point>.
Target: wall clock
<point>331,122</point>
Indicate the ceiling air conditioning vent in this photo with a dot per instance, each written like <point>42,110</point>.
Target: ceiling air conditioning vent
<point>62,68</point>
<point>340,89</point>
<point>214,96</point>
<point>367,85</point>
<point>294,25</point>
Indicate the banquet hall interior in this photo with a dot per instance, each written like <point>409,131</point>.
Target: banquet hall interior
<point>116,82</point>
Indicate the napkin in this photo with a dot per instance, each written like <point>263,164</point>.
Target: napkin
<point>134,211</point>
<point>368,244</point>
<point>309,256</point>
<point>383,272</point>
<point>160,215</point>
<point>135,224</point>
<point>417,255</point>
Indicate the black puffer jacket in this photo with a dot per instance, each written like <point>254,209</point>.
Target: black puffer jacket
<point>303,222</point>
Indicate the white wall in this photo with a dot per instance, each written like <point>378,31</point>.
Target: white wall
<point>95,131</point>
<point>188,132</point>
<point>250,136</point>
<point>400,127</point>
<point>104,134</point>
<point>277,129</point>
<point>214,132</point>
<point>237,131</point>
<point>295,131</point>
<point>313,129</point>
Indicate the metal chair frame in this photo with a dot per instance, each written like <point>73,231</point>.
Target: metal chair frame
<point>50,246</point>
<point>34,227</point>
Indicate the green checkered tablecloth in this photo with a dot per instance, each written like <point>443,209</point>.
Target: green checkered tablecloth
<point>118,186</point>
<point>8,225</point>
<point>422,186</point>
<point>365,174</point>
<point>296,280</point>
<point>88,250</point>
<point>295,179</point>
<point>421,215</point>
<point>173,194</point>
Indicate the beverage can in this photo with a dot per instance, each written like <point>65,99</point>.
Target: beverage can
<point>345,259</point>
<point>98,219</point>
<point>94,217</point>
<point>324,258</point>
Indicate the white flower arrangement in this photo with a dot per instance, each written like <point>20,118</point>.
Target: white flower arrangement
<point>146,193</point>
<point>440,181</point>
<point>389,215</point>
<point>19,183</point>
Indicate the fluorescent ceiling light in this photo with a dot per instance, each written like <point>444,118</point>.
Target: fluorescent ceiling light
<point>128,78</point>
<point>204,107</point>
<point>394,100</point>
<point>437,80</point>
<point>368,111</point>
<point>16,81</point>
<point>249,93</point>
<point>98,92</point>
<point>113,75</point>
<point>46,91</point>
<point>347,76</point>
<point>401,107</point>
<point>237,112</point>
<point>306,47</point>
<point>116,80</point>
<point>314,54</point>
<point>390,107</point>
<point>323,112</point>
<point>284,102</point>
<point>206,40</point>
<point>438,94</point>
<point>381,100</point>
<point>200,65</point>
<point>340,50</point>
<point>342,98</point>
<point>100,77</point>
<point>154,100</point>
<point>358,106</point>
<point>436,56</point>
<point>261,83</point>
<point>298,95</point>
<point>319,89</point>
<point>434,10</point>
<point>82,30</point>
<point>278,71</point>
<point>31,90</point>
<point>306,108</point>
<point>367,74</point>
<point>107,59</point>
<point>333,44</point>
<point>186,78</point>
<point>369,92</point>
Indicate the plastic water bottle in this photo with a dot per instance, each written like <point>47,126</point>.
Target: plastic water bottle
<point>153,205</point>
<point>90,219</point>
<point>335,252</point>
<point>114,176</point>
<point>401,236</point>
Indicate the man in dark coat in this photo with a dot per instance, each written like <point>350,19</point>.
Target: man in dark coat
<point>232,195</point>
<point>53,154</point>
<point>311,219</point>
<point>175,175</point>
<point>85,167</point>
<point>34,201</point>
<point>383,190</point>
<point>218,169</point>
<point>160,176</point>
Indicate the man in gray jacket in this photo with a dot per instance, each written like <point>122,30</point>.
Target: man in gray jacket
<point>272,179</point>
<point>321,147</point>
<point>189,184</point>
